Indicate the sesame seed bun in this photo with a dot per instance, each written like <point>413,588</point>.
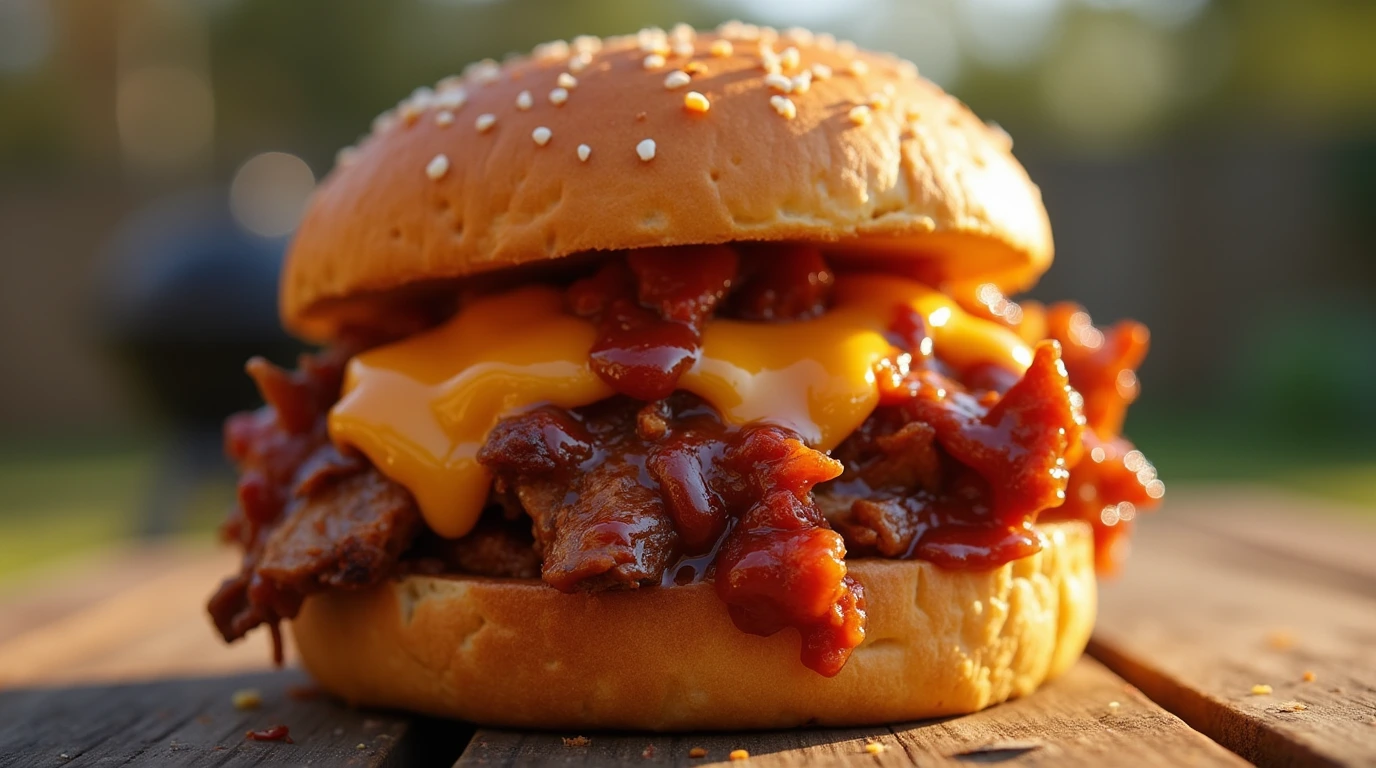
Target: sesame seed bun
<point>662,139</point>
<point>518,653</point>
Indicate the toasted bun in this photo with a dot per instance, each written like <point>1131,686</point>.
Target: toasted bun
<point>918,181</point>
<point>520,654</point>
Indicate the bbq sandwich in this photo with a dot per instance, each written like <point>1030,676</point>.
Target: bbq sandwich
<point>669,381</point>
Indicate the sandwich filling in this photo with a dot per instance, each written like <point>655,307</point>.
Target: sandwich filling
<point>743,415</point>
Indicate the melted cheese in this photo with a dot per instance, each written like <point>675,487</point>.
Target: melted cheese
<point>421,408</point>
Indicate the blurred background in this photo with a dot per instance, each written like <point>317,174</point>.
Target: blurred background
<point>1210,168</point>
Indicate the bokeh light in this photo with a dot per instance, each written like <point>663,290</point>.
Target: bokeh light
<point>269,193</point>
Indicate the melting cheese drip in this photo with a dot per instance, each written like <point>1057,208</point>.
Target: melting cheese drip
<point>421,408</point>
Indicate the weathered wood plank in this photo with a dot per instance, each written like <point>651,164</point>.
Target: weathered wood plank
<point>193,722</point>
<point>1070,722</point>
<point>1337,537</point>
<point>73,584</point>
<point>1204,613</point>
<point>155,626</point>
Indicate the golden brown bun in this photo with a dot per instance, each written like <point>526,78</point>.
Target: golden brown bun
<point>520,654</point>
<point>923,183</point>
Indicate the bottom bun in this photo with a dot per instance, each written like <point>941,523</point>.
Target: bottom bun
<point>518,653</point>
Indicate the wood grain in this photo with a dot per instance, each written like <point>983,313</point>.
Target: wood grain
<point>193,722</point>
<point>150,624</point>
<point>72,584</point>
<point>1205,612</point>
<point>1068,723</point>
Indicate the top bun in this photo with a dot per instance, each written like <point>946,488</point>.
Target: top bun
<point>488,170</point>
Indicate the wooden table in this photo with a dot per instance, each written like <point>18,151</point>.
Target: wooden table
<point>111,662</point>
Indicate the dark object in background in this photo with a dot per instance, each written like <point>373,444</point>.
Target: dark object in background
<point>186,296</point>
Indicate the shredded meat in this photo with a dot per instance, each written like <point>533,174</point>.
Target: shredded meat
<point>308,517</point>
<point>624,495</point>
<point>596,523</point>
<point>651,488</point>
<point>497,548</point>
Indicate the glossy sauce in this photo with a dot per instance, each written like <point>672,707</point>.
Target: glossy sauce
<point>668,420</point>
<point>422,407</point>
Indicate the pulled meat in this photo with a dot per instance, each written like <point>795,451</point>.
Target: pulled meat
<point>624,495</point>
<point>1114,479</point>
<point>308,517</point>
<point>651,488</point>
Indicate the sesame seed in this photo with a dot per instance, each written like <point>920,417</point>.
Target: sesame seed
<point>1113,706</point>
<point>646,150</point>
<point>580,62</point>
<point>697,752</point>
<point>421,96</point>
<point>769,34</point>
<point>721,48</point>
<point>912,114</point>
<point>750,32</point>
<point>587,43</point>
<point>799,35</point>
<point>739,754</point>
<point>858,67</point>
<point>770,61</point>
<point>346,156</point>
<point>558,96</point>
<point>524,101</point>
<point>859,115</point>
<point>879,101</point>
<point>556,49</point>
<point>444,118</point>
<point>541,135</point>
<point>907,69</point>
<point>565,80</point>
<point>846,48</point>
<point>789,58</point>
<point>696,102</point>
<point>681,31</point>
<point>485,72</point>
<point>826,41</point>
<point>821,71</point>
<point>778,82</point>
<point>677,79</point>
<point>1261,689</point>
<point>874,747</point>
<point>695,68</point>
<point>437,167</point>
<point>803,83</point>
<point>784,106</point>
<point>448,83</point>
<point>683,48</point>
<point>484,122</point>
<point>583,152</point>
<point>409,115</point>
<point>889,89</point>
<point>653,61</point>
<point>1309,677</point>
<point>451,98</point>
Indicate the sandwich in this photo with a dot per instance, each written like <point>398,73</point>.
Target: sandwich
<point>671,381</point>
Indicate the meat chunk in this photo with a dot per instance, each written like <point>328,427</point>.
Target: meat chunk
<point>597,524</point>
<point>345,534</point>
<point>496,548</point>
